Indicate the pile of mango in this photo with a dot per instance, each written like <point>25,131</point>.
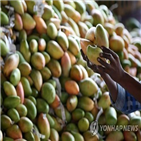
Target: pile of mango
<point>47,90</point>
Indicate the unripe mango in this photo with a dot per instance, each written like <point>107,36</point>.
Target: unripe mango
<point>66,136</point>
<point>54,49</point>
<point>26,18</point>
<point>46,73</point>
<point>6,122</point>
<point>118,134</point>
<point>77,136</point>
<point>30,6</point>
<point>15,76</point>
<point>7,139</point>
<point>33,46</point>
<point>4,48</point>
<point>43,126</point>
<point>25,69</point>
<point>37,79</point>
<point>83,124</point>
<point>59,5</point>
<point>14,132</point>
<point>38,60</point>
<point>51,121</point>
<point>77,114</point>
<point>9,89</point>
<point>55,67</point>
<point>71,127</point>
<point>18,22</point>
<point>10,64</point>
<point>22,35</point>
<point>54,136</point>
<point>57,125</point>
<point>22,110</point>
<point>47,57</point>
<point>25,124</point>
<point>29,136</point>
<point>21,58</point>
<point>4,18</point>
<point>52,31</point>
<point>31,109</point>
<point>48,92</point>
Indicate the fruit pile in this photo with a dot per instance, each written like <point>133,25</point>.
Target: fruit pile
<point>48,93</point>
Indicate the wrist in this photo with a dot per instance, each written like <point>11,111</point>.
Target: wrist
<point>122,77</point>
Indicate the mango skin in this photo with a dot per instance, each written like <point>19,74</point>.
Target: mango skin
<point>33,45</point>
<point>4,48</point>
<point>22,110</point>
<point>29,136</point>
<point>18,22</point>
<point>52,31</point>
<point>4,18</point>
<point>54,136</point>
<point>77,136</point>
<point>25,69</point>
<point>77,114</point>
<point>46,73</point>
<point>66,136</point>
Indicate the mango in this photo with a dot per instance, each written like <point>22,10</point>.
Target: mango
<point>4,48</point>
<point>76,73</point>
<point>22,110</point>
<point>21,58</point>
<point>66,136</point>
<point>46,73</point>
<point>18,22</point>
<point>37,79</point>
<point>56,102</point>
<point>30,6</point>
<point>62,40</point>
<point>15,76</point>
<point>26,86</point>
<point>59,5</point>
<point>93,53</point>
<point>30,80</point>
<point>89,137</point>
<point>6,122</point>
<point>111,116</point>
<point>77,114</point>
<point>24,49</point>
<point>33,46</point>
<point>40,24</point>
<point>71,127</point>
<point>129,136</point>
<point>72,102</point>
<point>13,114</point>
<point>110,28</point>
<point>26,18</point>
<point>51,121</point>
<point>10,64</point>
<point>48,12</point>
<point>72,57</point>
<point>52,82</point>
<point>47,57</point>
<point>7,139</point>
<point>88,83</point>
<point>31,109</point>
<point>54,49</point>
<point>73,46</point>
<point>83,28</point>
<point>33,36</point>
<point>34,92</point>
<point>36,133</point>
<point>25,69</point>
<point>71,87</point>
<point>84,72</point>
<point>119,27</point>
<point>42,106</point>
<point>49,2</point>
<point>48,92</point>
<point>97,17</point>
<point>64,17</point>
<point>136,120</point>
<point>90,35</point>
<point>29,136</point>
<point>118,134</point>
<point>83,124</point>
<point>32,99</point>
<point>64,96</point>
<point>57,125</point>
<point>43,126</point>
<point>9,89</point>
<point>14,132</point>
<point>101,36</point>
<point>25,124</point>
<point>18,7</point>
<point>52,31</point>
<point>55,68</point>
<point>89,116</point>
<point>38,60</point>
<point>4,18</point>
<point>116,43</point>
<point>123,120</point>
<point>77,136</point>
<point>80,7</point>
<point>66,64</point>
<point>56,22</point>
<point>54,136</point>
<point>22,35</point>
<point>83,102</point>
<point>41,44</point>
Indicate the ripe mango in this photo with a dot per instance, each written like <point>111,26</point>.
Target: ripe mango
<point>89,137</point>
<point>11,101</point>
<point>37,79</point>
<point>129,136</point>
<point>72,57</point>
<point>71,87</point>
<point>9,89</point>
<point>4,48</point>
<point>25,69</point>
<point>14,132</point>
<point>33,46</point>
<point>84,101</point>
<point>109,27</point>
<point>93,53</point>
<point>84,72</point>
<point>26,18</point>
<point>62,40</point>
<point>42,106</point>
<point>76,73</point>
<point>66,136</point>
<point>54,135</point>
<point>83,28</point>
<point>72,102</point>
<point>101,36</point>
<point>10,64</point>
<point>52,31</point>
<point>86,84</point>
<point>77,114</point>
<point>48,12</point>
<point>18,22</point>
<point>38,60</point>
<point>48,92</point>
<point>83,124</point>
<point>73,46</point>
<point>17,5</point>
<point>47,57</point>
<point>46,73</point>
<point>24,49</point>
<point>123,120</point>
<point>29,136</point>
<point>77,136</point>
<point>55,67</point>
<point>31,109</point>
<point>22,110</point>
<point>56,102</point>
<point>43,126</point>
<point>15,76</point>
<point>13,114</point>
<point>4,18</point>
<point>115,134</point>
<point>26,86</point>
<point>56,22</point>
<point>66,64</point>
<point>25,124</point>
<point>119,27</point>
<point>90,35</point>
<point>40,24</point>
<point>6,122</point>
<point>41,44</point>
<point>54,49</point>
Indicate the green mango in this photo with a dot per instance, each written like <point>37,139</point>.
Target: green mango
<point>77,114</point>
<point>22,110</point>
<point>22,35</point>
<point>54,135</point>
<point>89,116</point>
<point>21,58</point>
<point>46,73</point>
<point>59,5</point>
<point>31,109</point>
<point>51,121</point>
<point>33,36</point>
<point>36,133</point>
<point>47,57</point>
<point>67,136</point>
<point>4,48</point>
<point>33,45</point>
<point>49,2</point>
<point>57,125</point>
<point>30,6</point>
<point>6,122</point>
<point>7,139</point>
<point>80,7</point>
<point>13,114</point>
<point>64,96</point>
<point>29,136</point>
<point>52,82</point>
<point>57,12</point>
<point>71,127</point>
<point>33,100</point>
<point>34,92</point>
<point>77,136</point>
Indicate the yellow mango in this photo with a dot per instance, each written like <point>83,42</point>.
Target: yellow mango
<point>90,35</point>
<point>83,28</point>
<point>72,57</point>
<point>52,30</point>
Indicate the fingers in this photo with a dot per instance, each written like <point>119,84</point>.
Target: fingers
<point>102,62</point>
<point>107,56</point>
<point>99,69</point>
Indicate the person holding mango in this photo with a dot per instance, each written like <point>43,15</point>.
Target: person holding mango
<point>125,91</point>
